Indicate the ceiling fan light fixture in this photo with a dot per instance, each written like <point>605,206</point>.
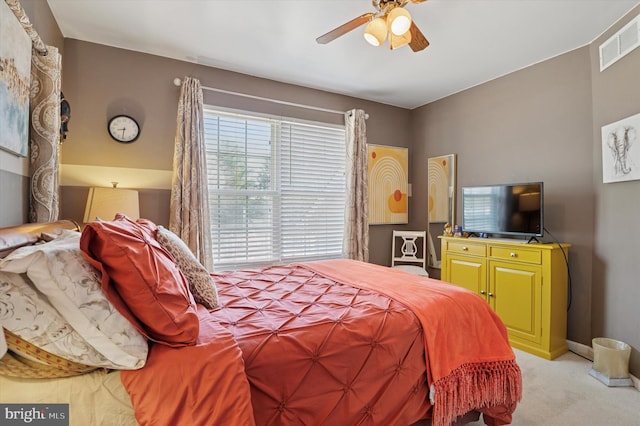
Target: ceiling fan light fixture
<point>390,22</point>
<point>399,21</point>
<point>376,31</point>
<point>399,41</point>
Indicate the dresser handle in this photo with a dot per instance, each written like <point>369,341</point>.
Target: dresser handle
<point>481,291</point>
<point>490,294</point>
<point>513,255</point>
<point>464,248</point>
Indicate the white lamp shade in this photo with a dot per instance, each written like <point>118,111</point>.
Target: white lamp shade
<point>399,21</point>
<point>376,31</point>
<point>105,203</point>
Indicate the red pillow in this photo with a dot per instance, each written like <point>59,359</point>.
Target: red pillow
<point>140,278</point>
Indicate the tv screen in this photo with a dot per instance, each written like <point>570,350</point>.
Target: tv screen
<point>507,209</point>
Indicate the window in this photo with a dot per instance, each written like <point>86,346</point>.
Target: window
<point>276,189</point>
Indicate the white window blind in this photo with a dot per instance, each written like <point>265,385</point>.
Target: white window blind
<point>276,189</point>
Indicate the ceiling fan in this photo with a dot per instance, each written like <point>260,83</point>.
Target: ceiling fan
<point>390,19</point>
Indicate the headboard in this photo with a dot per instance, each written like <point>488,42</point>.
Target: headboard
<point>13,237</point>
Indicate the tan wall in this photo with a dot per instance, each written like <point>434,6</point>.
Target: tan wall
<point>616,269</point>
<point>101,81</point>
<point>153,203</point>
<point>543,123</point>
<point>531,125</point>
<point>104,81</point>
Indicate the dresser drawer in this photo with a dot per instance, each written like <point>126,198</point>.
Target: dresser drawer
<point>516,253</point>
<point>463,247</point>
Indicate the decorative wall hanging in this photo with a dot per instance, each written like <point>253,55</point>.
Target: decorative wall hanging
<point>65,116</point>
<point>387,169</point>
<point>15,69</point>
<point>620,150</point>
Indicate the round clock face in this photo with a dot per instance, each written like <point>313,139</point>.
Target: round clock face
<point>124,129</point>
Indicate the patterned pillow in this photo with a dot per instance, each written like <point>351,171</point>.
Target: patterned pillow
<point>59,306</point>
<point>201,284</point>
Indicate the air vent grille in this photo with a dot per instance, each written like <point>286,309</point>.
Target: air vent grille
<point>619,44</point>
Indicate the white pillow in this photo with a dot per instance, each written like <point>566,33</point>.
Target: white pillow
<point>27,314</point>
<point>71,298</point>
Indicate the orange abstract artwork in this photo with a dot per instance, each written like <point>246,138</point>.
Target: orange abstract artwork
<point>387,169</point>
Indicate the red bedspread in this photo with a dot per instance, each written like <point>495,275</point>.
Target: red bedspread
<point>321,344</point>
<point>199,385</point>
<point>469,361</point>
<point>321,353</point>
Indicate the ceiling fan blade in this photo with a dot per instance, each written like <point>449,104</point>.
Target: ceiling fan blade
<point>344,28</point>
<point>418,40</point>
<point>418,1</point>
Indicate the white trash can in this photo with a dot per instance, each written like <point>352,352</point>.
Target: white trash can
<point>611,362</point>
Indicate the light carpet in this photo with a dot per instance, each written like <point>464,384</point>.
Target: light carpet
<point>562,393</point>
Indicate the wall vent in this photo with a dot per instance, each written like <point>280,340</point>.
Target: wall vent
<point>619,44</point>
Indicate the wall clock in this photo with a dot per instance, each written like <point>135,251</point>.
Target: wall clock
<point>123,128</point>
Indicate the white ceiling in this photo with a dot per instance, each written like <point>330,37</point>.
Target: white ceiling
<point>472,41</point>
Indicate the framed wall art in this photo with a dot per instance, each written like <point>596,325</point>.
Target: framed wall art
<point>441,175</point>
<point>388,180</point>
<point>15,78</point>
<point>620,150</point>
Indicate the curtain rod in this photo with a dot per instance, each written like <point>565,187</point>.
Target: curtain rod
<point>178,82</point>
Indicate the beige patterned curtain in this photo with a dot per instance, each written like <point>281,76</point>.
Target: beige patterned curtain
<point>44,135</point>
<point>356,230</point>
<point>44,123</point>
<point>38,45</point>
<point>189,216</point>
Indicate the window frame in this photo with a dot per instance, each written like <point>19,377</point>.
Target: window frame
<point>276,192</point>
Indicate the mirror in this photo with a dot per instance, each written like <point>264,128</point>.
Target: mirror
<point>441,184</point>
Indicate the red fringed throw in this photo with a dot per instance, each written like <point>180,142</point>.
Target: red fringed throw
<point>469,362</point>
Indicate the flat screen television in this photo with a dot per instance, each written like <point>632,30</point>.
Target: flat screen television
<point>506,209</point>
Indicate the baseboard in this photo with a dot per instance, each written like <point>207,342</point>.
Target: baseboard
<point>579,349</point>
<point>636,382</point>
<point>587,352</point>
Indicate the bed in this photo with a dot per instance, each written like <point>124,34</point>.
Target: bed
<point>318,343</point>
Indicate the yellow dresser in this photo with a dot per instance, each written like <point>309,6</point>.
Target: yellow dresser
<point>525,284</point>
